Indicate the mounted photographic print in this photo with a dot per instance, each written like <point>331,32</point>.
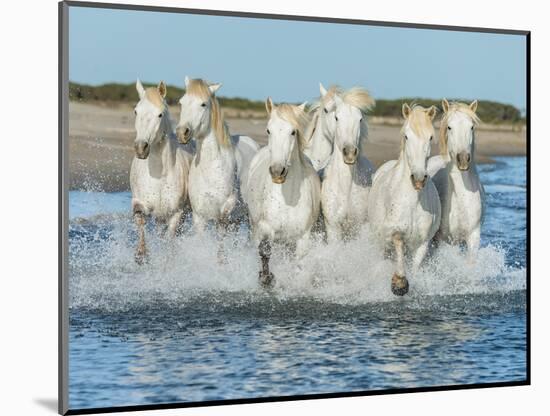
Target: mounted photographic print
<point>265,207</point>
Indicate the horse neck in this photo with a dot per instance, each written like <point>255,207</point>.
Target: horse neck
<point>210,149</point>
<point>401,175</point>
<point>321,133</point>
<point>163,150</point>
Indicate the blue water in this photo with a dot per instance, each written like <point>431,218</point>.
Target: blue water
<point>185,328</point>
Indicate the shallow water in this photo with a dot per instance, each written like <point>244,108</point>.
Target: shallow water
<point>185,328</point>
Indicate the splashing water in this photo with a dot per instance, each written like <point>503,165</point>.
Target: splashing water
<point>184,308</point>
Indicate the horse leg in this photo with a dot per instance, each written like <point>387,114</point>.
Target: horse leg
<point>266,277</point>
<point>302,246</point>
<point>419,255</point>
<point>139,219</point>
<point>399,283</point>
<point>173,223</point>
<point>199,223</point>
<point>334,232</point>
<point>472,243</point>
<point>221,228</point>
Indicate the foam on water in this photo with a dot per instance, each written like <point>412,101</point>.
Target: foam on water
<point>103,273</point>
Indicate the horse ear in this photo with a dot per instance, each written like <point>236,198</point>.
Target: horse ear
<point>405,110</point>
<point>162,89</point>
<point>432,111</point>
<point>187,81</point>
<point>214,87</point>
<point>140,89</point>
<point>322,89</point>
<point>269,105</point>
<point>303,106</point>
<point>473,106</point>
<point>445,105</point>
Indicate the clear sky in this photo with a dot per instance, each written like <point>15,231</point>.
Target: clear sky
<point>254,58</point>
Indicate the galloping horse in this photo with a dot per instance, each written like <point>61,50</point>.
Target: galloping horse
<point>403,208</point>
<point>347,176</point>
<point>455,176</point>
<point>221,160</point>
<point>160,168</point>
<point>283,188</point>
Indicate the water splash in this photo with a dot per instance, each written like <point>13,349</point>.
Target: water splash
<point>103,274</point>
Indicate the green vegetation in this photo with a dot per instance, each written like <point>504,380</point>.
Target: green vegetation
<point>488,111</point>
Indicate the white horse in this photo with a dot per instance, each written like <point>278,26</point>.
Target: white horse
<point>160,168</point>
<point>347,177</point>
<point>455,176</point>
<point>321,129</point>
<point>403,208</point>
<point>283,188</point>
<point>221,161</point>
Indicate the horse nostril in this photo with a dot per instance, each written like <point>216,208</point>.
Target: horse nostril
<point>187,130</point>
<point>283,172</point>
<point>425,177</point>
<point>468,158</point>
<point>355,151</point>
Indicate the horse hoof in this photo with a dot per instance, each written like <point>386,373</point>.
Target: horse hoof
<point>266,279</point>
<point>399,285</point>
<point>140,258</point>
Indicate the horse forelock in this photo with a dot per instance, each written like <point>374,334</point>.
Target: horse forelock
<point>200,88</point>
<point>454,107</point>
<point>153,96</point>
<point>297,118</point>
<point>420,123</point>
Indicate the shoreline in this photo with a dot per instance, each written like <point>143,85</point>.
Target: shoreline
<point>101,142</point>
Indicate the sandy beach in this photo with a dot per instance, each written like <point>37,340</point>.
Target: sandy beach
<point>101,142</point>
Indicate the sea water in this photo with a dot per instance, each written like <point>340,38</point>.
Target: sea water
<point>184,327</point>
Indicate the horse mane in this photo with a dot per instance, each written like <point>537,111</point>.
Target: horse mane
<point>153,96</point>
<point>419,121</point>
<point>199,88</point>
<point>454,107</point>
<point>356,96</point>
<point>360,98</point>
<point>297,118</point>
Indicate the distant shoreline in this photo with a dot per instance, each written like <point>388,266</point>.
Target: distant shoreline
<point>101,141</point>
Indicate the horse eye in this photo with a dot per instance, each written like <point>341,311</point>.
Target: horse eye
<point>268,132</point>
<point>325,110</point>
<point>431,138</point>
<point>160,115</point>
<point>203,105</point>
<point>361,120</point>
<point>293,132</point>
<point>336,117</point>
<point>448,127</point>
<point>135,112</point>
<point>472,128</point>
<point>406,138</point>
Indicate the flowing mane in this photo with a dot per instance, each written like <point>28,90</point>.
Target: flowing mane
<point>199,88</point>
<point>419,121</point>
<point>357,97</point>
<point>453,108</point>
<point>360,98</point>
<point>297,118</point>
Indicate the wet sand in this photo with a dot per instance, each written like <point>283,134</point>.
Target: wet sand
<point>101,139</point>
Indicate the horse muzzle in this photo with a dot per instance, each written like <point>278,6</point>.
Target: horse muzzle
<point>278,174</point>
<point>463,161</point>
<point>142,149</point>
<point>418,184</point>
<point>184,134</point>
<point>350,154</point>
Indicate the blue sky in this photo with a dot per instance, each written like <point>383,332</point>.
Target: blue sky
<point>254,58</point>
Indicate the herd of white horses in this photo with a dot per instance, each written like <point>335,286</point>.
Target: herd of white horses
<point>312,170</point>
